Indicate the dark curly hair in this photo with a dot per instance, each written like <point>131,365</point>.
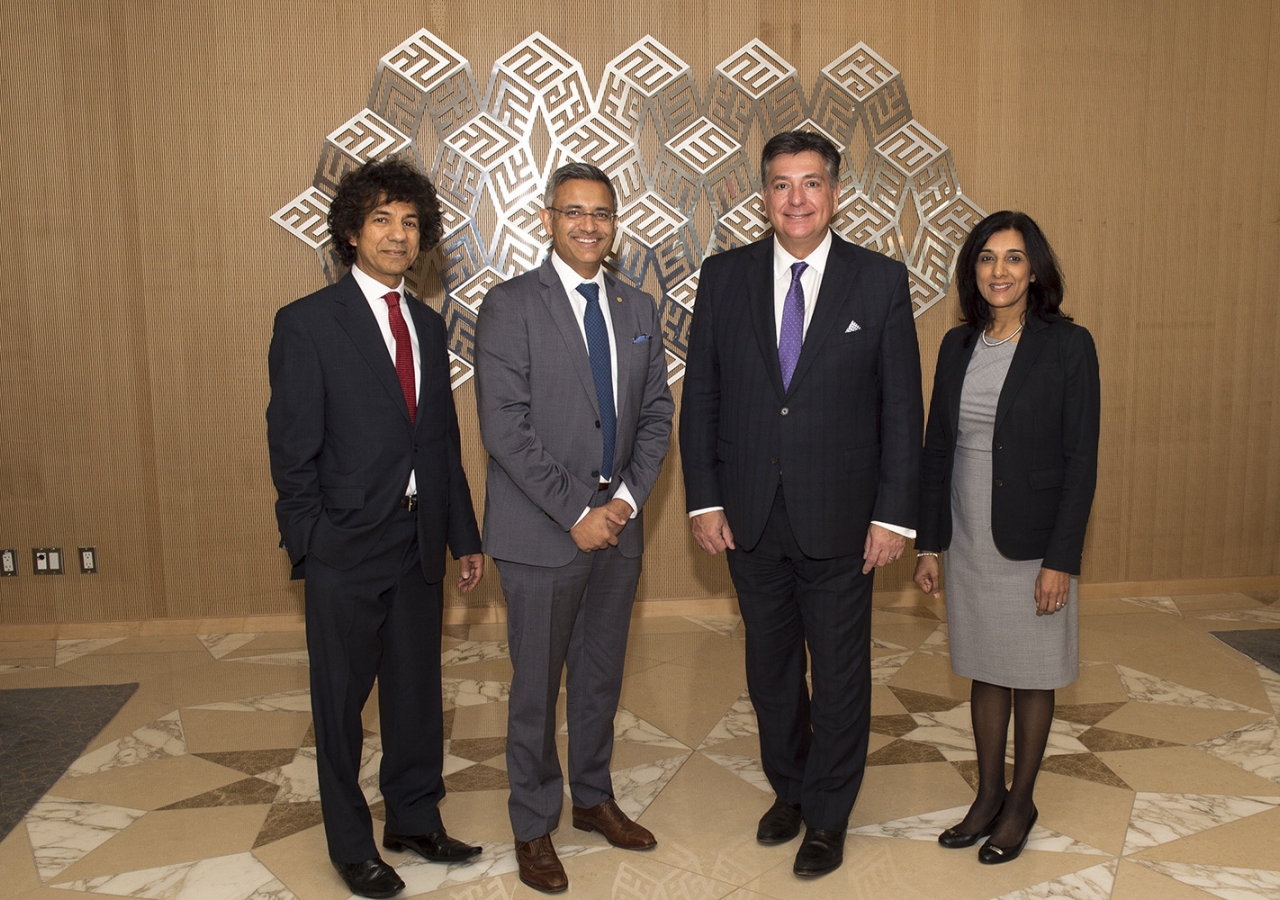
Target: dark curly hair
<point>391,180</point>
<point>1044,296</point>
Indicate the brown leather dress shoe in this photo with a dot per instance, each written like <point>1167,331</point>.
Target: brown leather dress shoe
<point>540,867</point>
<point>613,823</point>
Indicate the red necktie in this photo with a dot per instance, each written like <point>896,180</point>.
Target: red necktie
<point>404,352</point>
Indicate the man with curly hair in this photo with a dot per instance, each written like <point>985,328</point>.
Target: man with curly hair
<point>366,459</point>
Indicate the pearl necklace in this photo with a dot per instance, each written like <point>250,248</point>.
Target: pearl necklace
<point>1002,340</point>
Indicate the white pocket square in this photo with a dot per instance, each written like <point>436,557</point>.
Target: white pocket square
<point>853,326</point>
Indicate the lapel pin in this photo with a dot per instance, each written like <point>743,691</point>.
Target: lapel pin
<point>617,299</point>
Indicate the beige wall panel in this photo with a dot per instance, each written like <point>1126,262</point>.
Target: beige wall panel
<point>149,142</point>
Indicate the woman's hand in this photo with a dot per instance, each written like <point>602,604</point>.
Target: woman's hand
<point>928,575</point>
<point>1052,588</point>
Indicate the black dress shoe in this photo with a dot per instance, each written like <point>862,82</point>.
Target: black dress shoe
<point>992,855</point>
<point>953,839</point>
<point>436,846</point>
<point>370,878</point>
<point>780,824</point>
<point>821,852</point>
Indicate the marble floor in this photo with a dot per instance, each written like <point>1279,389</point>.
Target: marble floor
<point>1162,778</point>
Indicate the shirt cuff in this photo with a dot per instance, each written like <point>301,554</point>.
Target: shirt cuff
<point>624,494</point>
<point>897,529</point>
<point>698,512</point>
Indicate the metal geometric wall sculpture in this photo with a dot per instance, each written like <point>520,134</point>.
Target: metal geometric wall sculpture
<point>684,161</point>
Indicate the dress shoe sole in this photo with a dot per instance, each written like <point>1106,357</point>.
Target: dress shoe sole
<point>371,892</point>
<point>397,847</point>
<point>585,826</point>
<point>457,852</point>
<point>814,873</point>
<point>771,841</point>
<point>808,872</point>
<point>542,889</point>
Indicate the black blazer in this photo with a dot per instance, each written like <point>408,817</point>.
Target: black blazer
<point>1045,448</point>
<point>340,439</point>
<point>844,439</point>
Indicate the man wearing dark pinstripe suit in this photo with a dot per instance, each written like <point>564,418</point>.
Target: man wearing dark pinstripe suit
<point>800,434</point>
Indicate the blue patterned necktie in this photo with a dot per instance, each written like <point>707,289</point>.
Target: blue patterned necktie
<point>601,372</point>
<point>792,335</point>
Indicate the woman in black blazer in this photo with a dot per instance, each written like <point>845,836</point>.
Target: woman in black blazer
<point>1007,480</point>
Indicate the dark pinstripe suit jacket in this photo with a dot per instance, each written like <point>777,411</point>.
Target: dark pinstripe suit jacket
<point>844,439</point>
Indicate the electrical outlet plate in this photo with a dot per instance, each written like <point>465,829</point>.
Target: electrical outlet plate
<point>88,560</point>
<point>8,563</point>
<point>46,560</point>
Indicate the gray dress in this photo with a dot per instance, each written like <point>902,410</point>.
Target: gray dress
<point>992,626</point>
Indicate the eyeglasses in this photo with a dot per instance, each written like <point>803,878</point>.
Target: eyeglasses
<point>576,215</point>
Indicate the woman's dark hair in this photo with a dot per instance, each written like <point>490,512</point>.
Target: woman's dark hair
<point>1044,296</point>
<point>391,180</point>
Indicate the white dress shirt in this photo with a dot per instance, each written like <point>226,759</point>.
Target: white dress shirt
<point>571,279</point>
<point>374,291</point>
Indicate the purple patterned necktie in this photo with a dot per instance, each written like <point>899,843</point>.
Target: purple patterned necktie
<point>792,335</point>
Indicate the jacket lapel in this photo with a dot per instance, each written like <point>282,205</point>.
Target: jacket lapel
<point>561,312</point>
<point>959,365</point>
<point>833,297</point>
<point>419,314</point>
<point>759,282</point>
<point>355,317</point>
<point>1034,339</point>
<point>624,332</point>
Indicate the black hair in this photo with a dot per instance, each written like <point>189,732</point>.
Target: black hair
<point>1044,296</point>
<point>391,180</point>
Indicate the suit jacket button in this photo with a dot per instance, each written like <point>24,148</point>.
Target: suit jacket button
<point>785,411</point>
<point>773,460</point>
<point>595,473</point>
<point>999,446</point>
<point>597,423</point>
<point>999,483</point>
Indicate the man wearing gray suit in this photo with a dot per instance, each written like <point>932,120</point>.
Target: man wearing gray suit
<point>571,386</point>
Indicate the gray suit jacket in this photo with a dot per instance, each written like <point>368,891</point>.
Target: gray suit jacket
<point>540,421</point>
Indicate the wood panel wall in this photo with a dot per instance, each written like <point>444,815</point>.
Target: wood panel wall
<point>146,144</point>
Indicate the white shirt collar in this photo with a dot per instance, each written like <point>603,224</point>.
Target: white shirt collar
<point>371,287</point>
<point>782,260</point>
<point>571,279</point>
